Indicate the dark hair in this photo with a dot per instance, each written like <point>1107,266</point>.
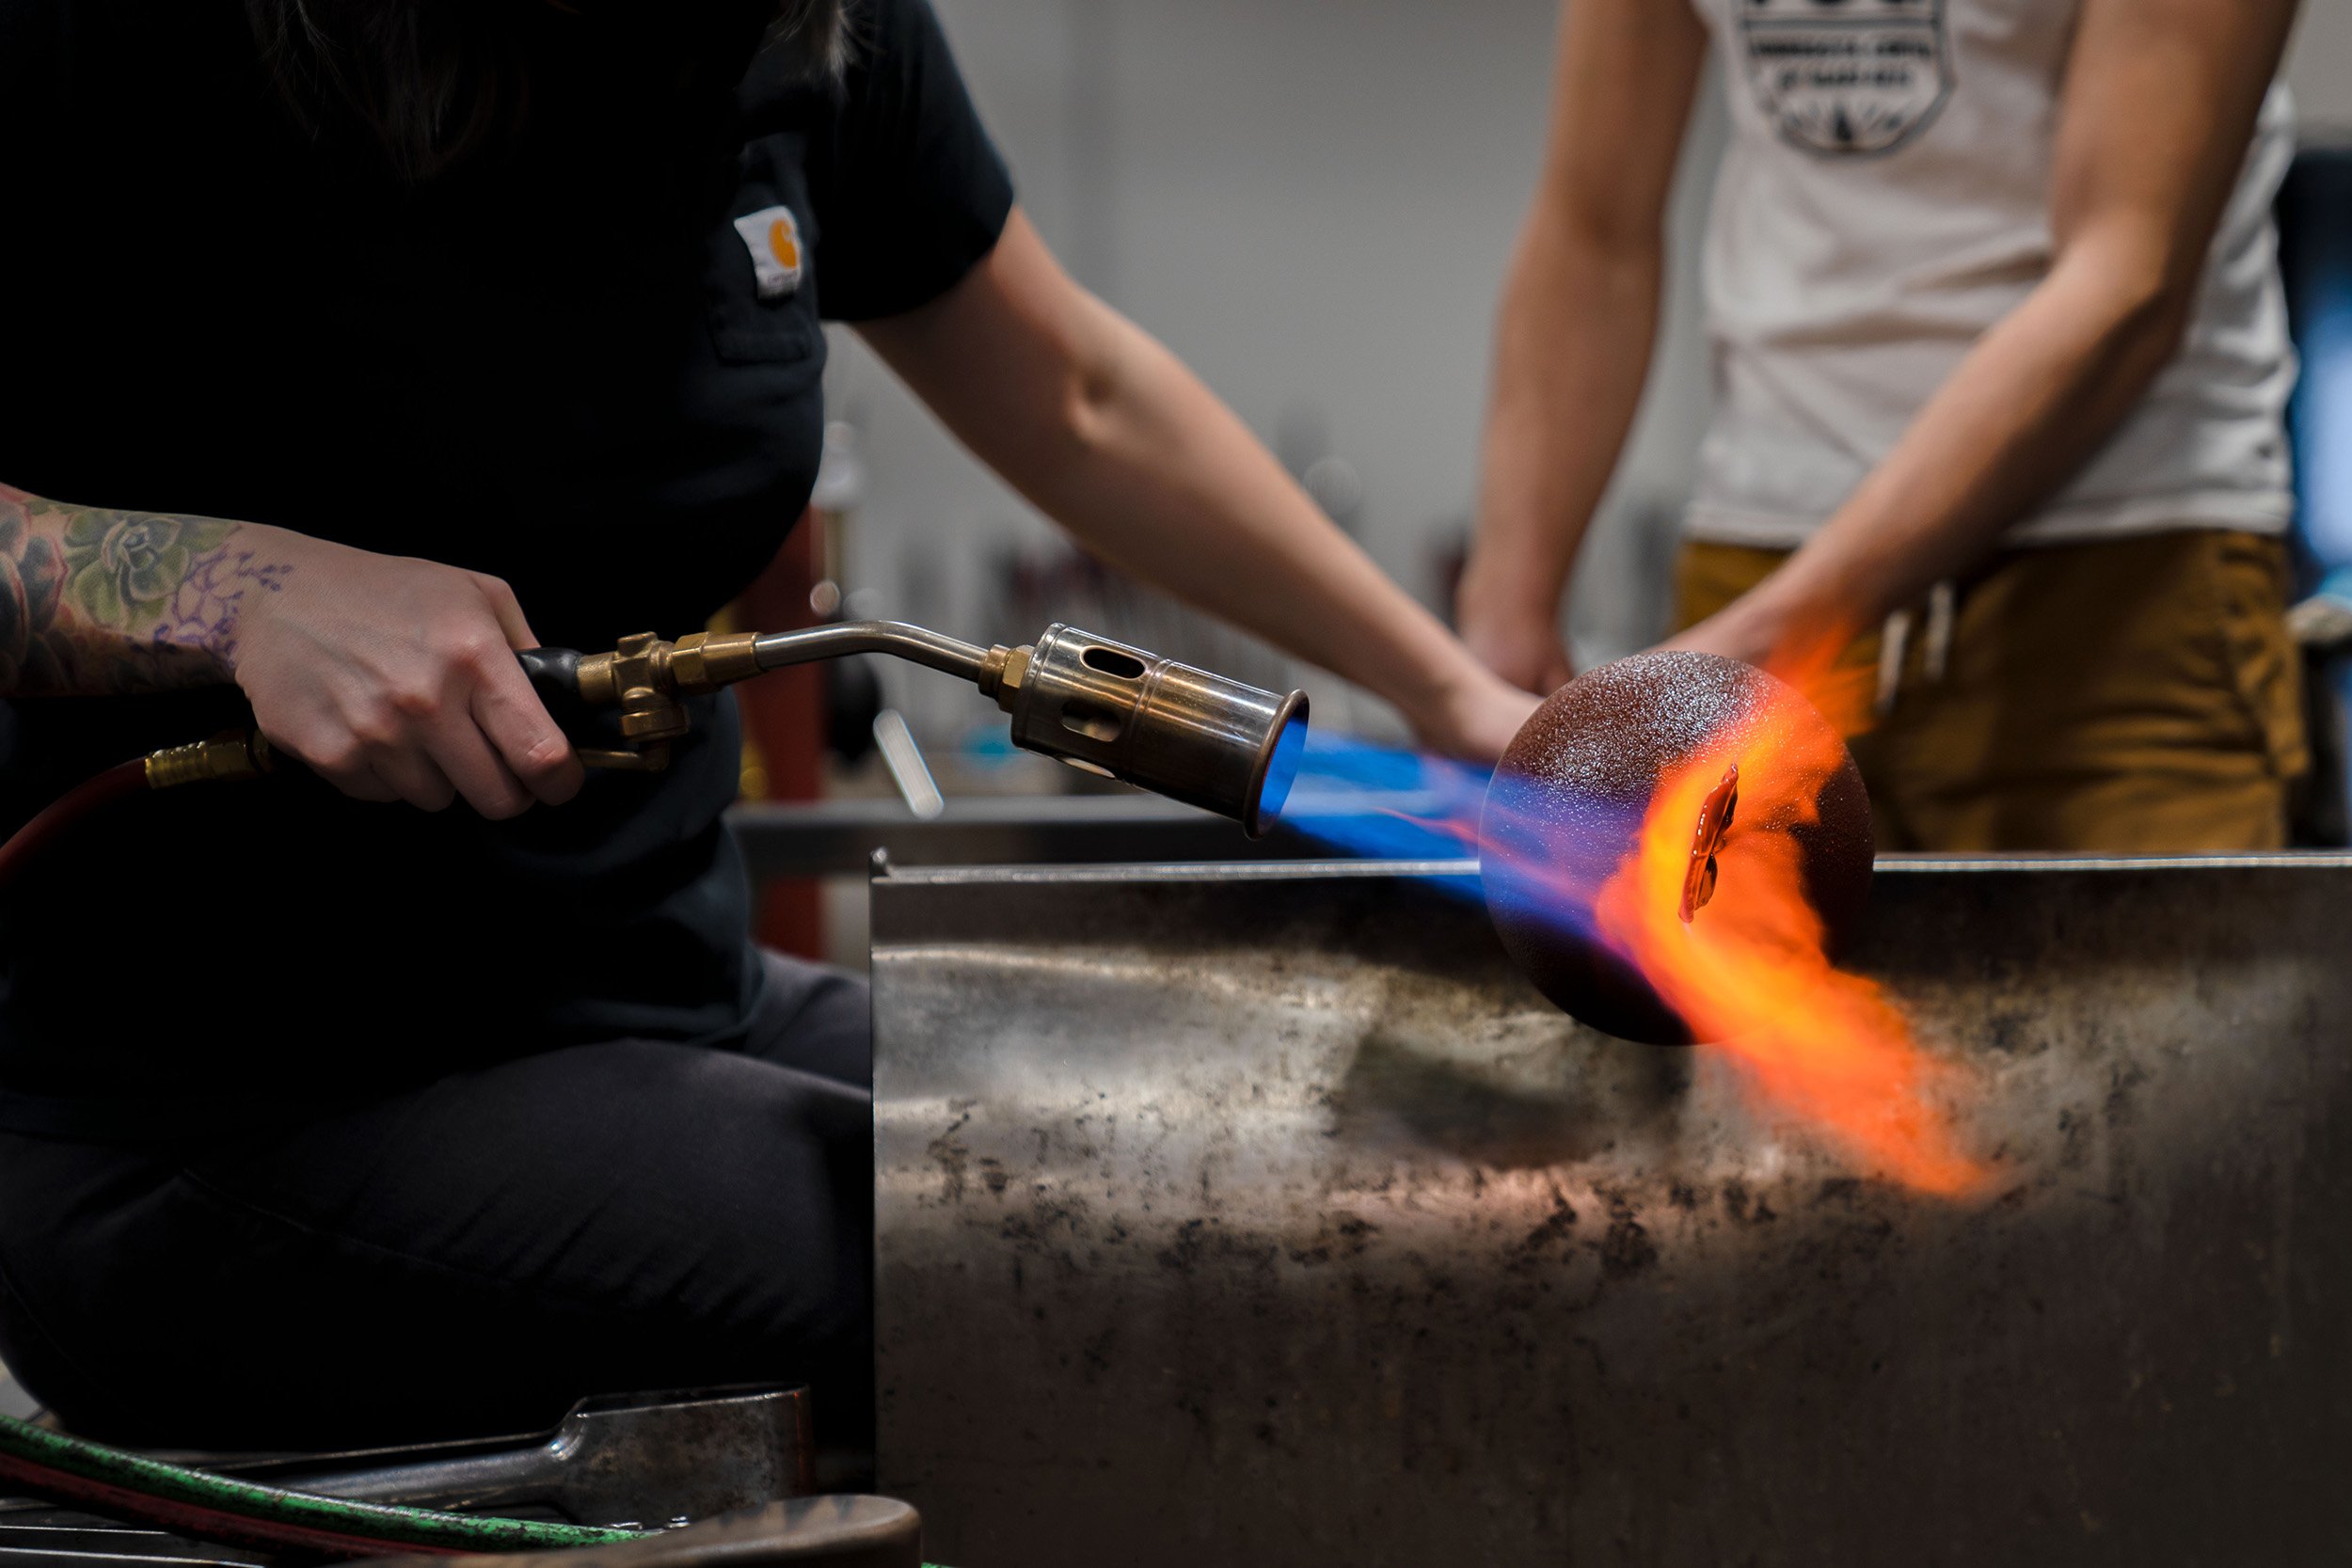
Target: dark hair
<point>434,83</point>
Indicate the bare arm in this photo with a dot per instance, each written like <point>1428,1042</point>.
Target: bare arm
<point>1110,435</point>
<point>1579,320</point>
<point>394,678</point>
<point>2160,102</point>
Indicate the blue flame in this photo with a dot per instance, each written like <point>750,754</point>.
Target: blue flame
<point>1281,770</point>
<point>1547,852</point>
<point>1385,803</point>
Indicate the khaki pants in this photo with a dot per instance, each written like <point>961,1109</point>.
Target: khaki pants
<point>2133,695</point>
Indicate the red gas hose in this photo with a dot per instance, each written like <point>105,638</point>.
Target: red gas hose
<point>90,795</point>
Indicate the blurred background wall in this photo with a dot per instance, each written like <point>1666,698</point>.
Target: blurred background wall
<point>1312,202</point>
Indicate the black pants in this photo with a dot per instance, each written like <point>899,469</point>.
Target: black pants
<point>470,1258</point>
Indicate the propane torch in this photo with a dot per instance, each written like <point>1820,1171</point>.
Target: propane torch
<point>1088,700</point>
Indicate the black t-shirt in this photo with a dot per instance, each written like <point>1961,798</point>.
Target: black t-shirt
<point>560,366</point>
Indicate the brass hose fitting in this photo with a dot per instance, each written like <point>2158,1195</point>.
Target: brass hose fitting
<point>230,756</point>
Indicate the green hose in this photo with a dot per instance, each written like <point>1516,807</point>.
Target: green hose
<point>82,1470</point>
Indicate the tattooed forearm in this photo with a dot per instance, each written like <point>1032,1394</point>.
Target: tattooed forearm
<point>98,601</point>
<point>204,612</point>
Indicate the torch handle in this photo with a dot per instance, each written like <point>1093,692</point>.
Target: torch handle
<point>555,676</point>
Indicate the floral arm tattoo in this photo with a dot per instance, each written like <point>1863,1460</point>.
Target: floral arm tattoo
<point>98,602</point>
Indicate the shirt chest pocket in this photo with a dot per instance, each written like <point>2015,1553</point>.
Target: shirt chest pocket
<point>760,261</point>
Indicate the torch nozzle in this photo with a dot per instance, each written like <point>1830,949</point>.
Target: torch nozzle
<point>1184,733</point>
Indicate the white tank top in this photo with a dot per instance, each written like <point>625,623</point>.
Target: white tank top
<point>1885,200</point>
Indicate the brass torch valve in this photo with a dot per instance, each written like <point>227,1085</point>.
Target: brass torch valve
<point>644,678</point>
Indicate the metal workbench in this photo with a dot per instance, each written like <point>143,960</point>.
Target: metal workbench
<point>1262,1216</point>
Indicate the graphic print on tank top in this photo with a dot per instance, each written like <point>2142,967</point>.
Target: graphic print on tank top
<point>1844,78</point>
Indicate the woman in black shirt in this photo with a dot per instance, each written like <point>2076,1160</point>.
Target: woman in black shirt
<point>346,345</point>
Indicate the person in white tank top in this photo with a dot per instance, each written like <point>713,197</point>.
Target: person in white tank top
<point>1992,291</point>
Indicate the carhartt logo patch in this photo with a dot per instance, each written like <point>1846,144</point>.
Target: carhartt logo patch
<point>772,235</point>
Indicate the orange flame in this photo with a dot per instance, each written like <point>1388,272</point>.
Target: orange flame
<point>1750,970</point>
<point>1817,662</point>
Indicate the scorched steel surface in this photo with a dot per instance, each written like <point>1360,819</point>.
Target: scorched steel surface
<point>1265,1215</point>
